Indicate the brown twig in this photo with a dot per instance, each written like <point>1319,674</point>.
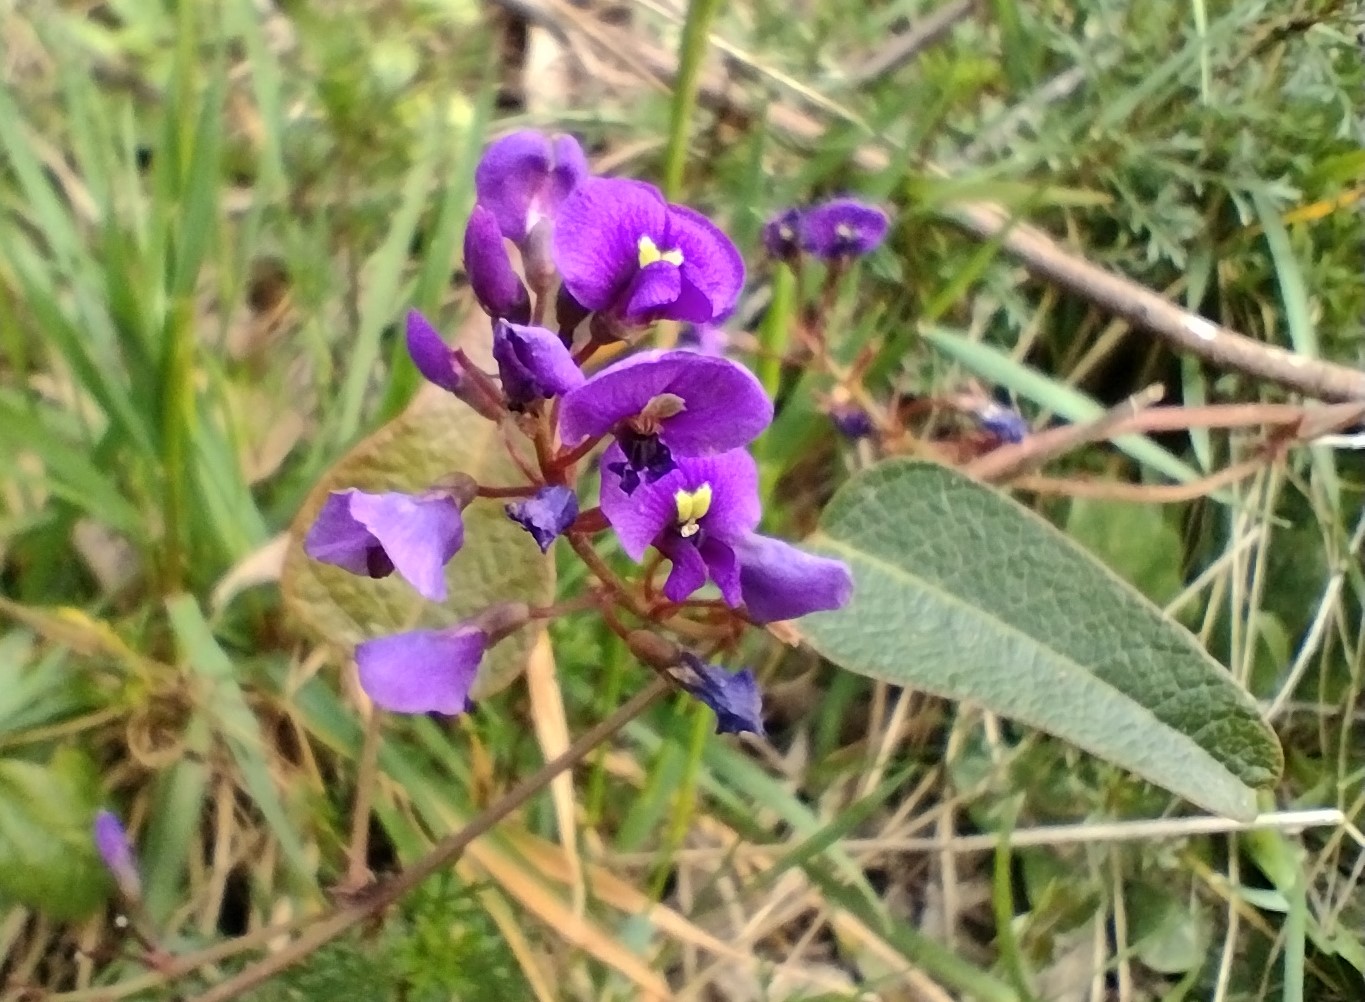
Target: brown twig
<point>442,855</point>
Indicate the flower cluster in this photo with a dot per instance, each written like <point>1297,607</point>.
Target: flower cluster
<point>601,260</point>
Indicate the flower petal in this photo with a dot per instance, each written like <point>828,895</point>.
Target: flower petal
<point>637,517</point>
<point>842,227</point>
<point>780,234</point>
<point>689,568</point>
<point>653,286</point>
<point>779,581</point>
<point>425,671</point>
<point>509,178</point>
<point>430,353</point>
<point>336,537</point>
<point>711,262</point>
<point>419,534</point>
<point>569,171</point>
<point>725,405</point>
<point>597,236</point>
<point>733,696</point>
<point>496,286</point>
<point>111,842</point>
<point>722,566</point>
<point>533,363</point>
<point>545,515</point>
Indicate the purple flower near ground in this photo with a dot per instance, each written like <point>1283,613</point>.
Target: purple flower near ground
<point>424,671</point>
<point>623,249</point>
<point>496,286</point>
<point>662,404</point>
<point>111,842</point>
<point>781,234</point>
<point>534,364</point>
<point>734,696</point>
<point>524,178</point>
<point>546,514</point>
<point>851,420</point>
<point>842,227</point>
<point>376,534</point>
<point>780,581</point>
<point>431,355</point>
<point>1005,423</point>
<point>695,515</point>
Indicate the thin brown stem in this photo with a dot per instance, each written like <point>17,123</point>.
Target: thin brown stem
<point>442,855</point>
<point>569,457</point>
<point>358,873</point>
<point>524,491</point>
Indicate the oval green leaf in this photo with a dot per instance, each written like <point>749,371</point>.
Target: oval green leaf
<point>436,436</point>
<point>962,592</point>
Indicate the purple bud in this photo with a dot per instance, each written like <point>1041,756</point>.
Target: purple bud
<point>851,420</point>
<point>1005,423</point>
<point>734,697</point>
<point>431,354</point>
<point>496,286</point>
<point>843,227</point>
<point>533,364</point>
<point>111,841</point>
<point>546,515</point>
<point>781,234</point>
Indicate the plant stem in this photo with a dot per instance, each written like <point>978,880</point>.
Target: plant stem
<point>358,873</point>
<point>441,855</point>
<point>691,52</point>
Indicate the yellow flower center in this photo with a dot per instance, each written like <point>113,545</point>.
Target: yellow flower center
<point>692,505</point>
<point>649,253</point>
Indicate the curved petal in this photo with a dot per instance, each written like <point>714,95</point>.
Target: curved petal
<point>597,236</point>
<point>842,227</point>
<point>655,285</point>
<point>641,516</point>
<point>735,506</point>
<point>546,514</point>
<point>734,697</point>
<point>779,581</point>
<point>570,170</point>
<point>425,671</point>
<point>336,537</point>
<point>723,567</point>
<point>496,286</point>
<point>689,569</point>
<point>510,176</point>
<point>419,534</point>
<point>533,363</point>
<point>711,262</point>
<point>430,353</point>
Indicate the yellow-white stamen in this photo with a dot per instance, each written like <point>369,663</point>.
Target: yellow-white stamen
<point>649,253</point>
<point>692,505</point>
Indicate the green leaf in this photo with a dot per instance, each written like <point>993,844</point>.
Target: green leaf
<point>47,851</point>
<point>436,436</point>
<point>964,593</point>
<point>1133,539</point>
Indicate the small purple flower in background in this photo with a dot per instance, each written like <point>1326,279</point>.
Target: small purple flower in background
<point>424,671</point>
<point>781,234</point>
<point>623,250</point>
<point>663,404</point>
<point>851,420</point>
<point>111,842</point>
<point>1005,423</point>
<point>533,364</point>
<point>733,696</point>
<point>704,339</point>
<point>376,534</point>
<point>496,286</point>
<point>779,581</point>
<point>842,227</point>
<point>695,515</point>
<point>546,514</point>
<point>525,177</point>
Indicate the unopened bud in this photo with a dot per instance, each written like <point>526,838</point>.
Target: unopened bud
<point>459,487</point>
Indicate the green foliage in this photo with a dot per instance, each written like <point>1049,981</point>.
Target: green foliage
<point>983,601</point>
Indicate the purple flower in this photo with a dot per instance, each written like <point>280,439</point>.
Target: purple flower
<point>779,581</point>
<point>533,363</point>
<point>496,286</point>
<point>704,339</point>
<point>432,355</point>
<point>781,234</point>
<point>545,515</point>
<point>733,696</point>
<point>111,842</point>
<point>376,534</point>
<point>425,671</point>
<point>662,404</point>
<point>851,420</point>
<point>621,248</point>
<point>1005,423</point>
<point>695,515</point>
<point>525,177</point>
<point>843,227</point>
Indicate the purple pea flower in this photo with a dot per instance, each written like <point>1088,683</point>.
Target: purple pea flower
<point>662,404</point>
<point>524,178</point>
<point>842,227</point>
<point>546,514</point>
<point>1005,423</point>
<point>376,534</point>
<point>496,286</point>
<point>779,581</point>
<point>781,234</point>
<point>733,696</point>
<point>111,842</point>
<point>624,250</point>
<point>534,364</point>
<point>431,671</point>
<point>695,515</point>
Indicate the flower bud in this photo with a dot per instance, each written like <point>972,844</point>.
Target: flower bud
<point>654,650</point>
